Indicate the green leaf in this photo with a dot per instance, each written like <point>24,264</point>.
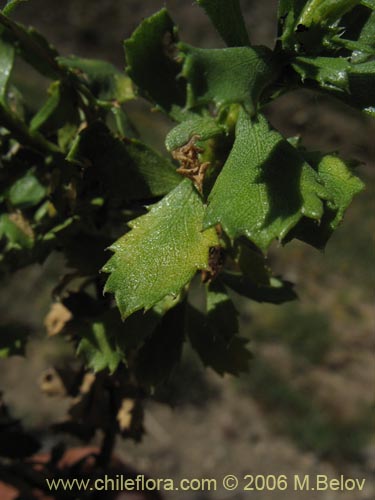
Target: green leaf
<point>221,353</point>
<point>32,47</point>
<point>98,344</point>
<point>221,313</point>
<point>288,13</point>
<point>105,81</point>
<point>152,66</point>
<point>366,38</point>
<point>226,76</point>
<point>369,3</point>
<point>27,191</point>
<point>161,253</point>
<point>203,127</point>
<point>16,232</point>
<point>13,339</point>
<point>7,54</point>
<point>60,109</point>
<point>11,5</point>
<point>265,186</point>
<point>136,171</point>
<point>342,185</point>
<point>227,18</point>
<point>353,83</point>
<point>276,292</point>
<point>161,352</point>
<point>256,280</point>
<point>318,12</point>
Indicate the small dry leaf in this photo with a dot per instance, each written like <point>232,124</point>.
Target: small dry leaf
<point>125,414</point>
<point>52,384</point>
<point>191,166</point>
<point>87,381</point>
<point>57,318</point>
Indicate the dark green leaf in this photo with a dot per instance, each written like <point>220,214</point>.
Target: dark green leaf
<point>104,80</point>
<point>227,18</point>
<point>353,83</point>
<point>26,192</point>
<point>60,109</point>
<point>276,292</point>
<point>162,252</point>
<point>13,339</point>
<point>126,169</point>
<point>288,13</point>
<point>162,351</point>
<point>221,313</point>
<point>226,76</point>
<point>32,47</point>
<point>265,186</point>
<point>222,354</point>
<point>152,66</point>
<point>366,38</point>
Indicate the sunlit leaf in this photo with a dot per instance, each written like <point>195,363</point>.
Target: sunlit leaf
<point>342,185</point>
<point>265,186</point>
<point>161,253</point>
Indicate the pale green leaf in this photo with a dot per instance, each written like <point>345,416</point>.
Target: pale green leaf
<point>7,54</point>
<point>325,11</point>
<point>265,186</point>
<point>342,185</point>
<point>227,18</point>
<point>26,191</point>
<point>16,232</point>
<point>203,127</point>
<point>98,346</point>
<point>161,253</point>
<point>369,3</point>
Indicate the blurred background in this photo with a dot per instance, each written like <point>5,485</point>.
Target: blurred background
<point>306,405</point>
